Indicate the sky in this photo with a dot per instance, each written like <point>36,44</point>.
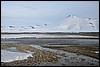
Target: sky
<point>45,12</point>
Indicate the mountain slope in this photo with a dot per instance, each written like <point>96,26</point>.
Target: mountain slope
<point>70,24</point>
<point>75,24</point>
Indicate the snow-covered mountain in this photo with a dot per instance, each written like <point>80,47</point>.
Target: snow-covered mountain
<point>70,24</point>
<point>76,24</point>
<point>31,28</point>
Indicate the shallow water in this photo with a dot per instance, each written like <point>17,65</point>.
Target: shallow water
<point>36,42</point>
<point>90,42</point>
<point>10,42</point>
<point>42,39</point>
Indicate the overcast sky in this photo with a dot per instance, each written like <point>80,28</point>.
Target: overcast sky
<point>50,12</point>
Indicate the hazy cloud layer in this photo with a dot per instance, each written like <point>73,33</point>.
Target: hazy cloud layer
<point>38,12</point>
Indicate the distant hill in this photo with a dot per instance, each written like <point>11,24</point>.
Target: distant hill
<point>70,24</point>
<point>76,24</point>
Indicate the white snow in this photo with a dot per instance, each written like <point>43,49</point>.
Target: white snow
<point>76,24</point>
<point>44,36</point>
<point>70,24</point>
<point>95,52</point>
<point>9,56</point>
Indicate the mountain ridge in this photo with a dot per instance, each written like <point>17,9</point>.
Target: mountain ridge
<point>71,23</point>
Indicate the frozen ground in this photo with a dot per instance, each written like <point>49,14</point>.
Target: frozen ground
<point>44,36</point>
<point>69,59</point>
<point>12,54</point>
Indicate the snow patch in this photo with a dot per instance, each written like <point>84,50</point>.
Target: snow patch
<point>8,56</point>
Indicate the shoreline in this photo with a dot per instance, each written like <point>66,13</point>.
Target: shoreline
<point>79,49</point>
<point>54,51</point>
<point>50,57</point>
